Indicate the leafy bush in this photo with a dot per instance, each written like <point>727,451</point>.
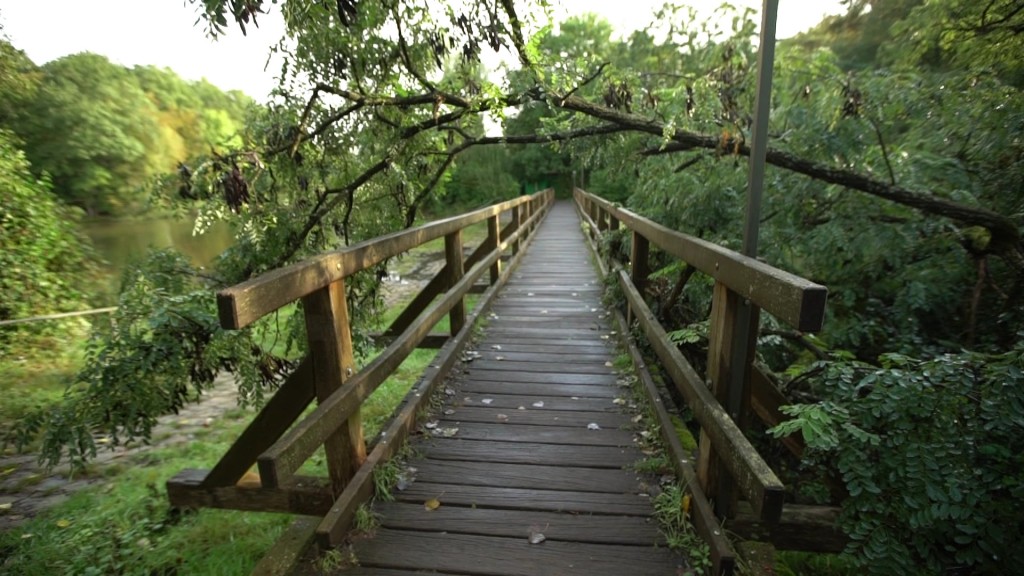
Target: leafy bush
<point>45,264</point>
<point>931,453</point>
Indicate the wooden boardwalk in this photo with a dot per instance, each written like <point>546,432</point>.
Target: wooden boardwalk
<point>531,441</point>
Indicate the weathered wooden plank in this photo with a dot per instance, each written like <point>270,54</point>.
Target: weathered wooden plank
<point>288,453</point>
<point>639,261</point>
<point>547,290</point>
<point>603,381</point>
<point>512,355</point>
<point>522,499</point>
<point>494,241</point>
<point>794,300</point>
<point>576,310</point>
<point>363,571</point>
<point>527,453</point>
<point>560,345</point>
<point>495,556</point>
<point>597,351</point>
<point>564,300</point>
<point>631,530</point>
<point>504,475</point>
<point>304,495</point>
<point>515,401</point>
<point>547,322</point>
<point>590,333</point>
<point>454,270</point>
<point>509,365</point>
<point>802,527</point>
<point>490,415</point>
<point>579,435</point>
<point>539,388</point>
<point>245,303</point>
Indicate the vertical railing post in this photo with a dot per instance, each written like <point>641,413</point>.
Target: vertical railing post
<point>330,350</point>
<point>494,241</point>
<point>517,223</point>
<point>640,265</point>
<point>455,269</point>
<point>723,374</point>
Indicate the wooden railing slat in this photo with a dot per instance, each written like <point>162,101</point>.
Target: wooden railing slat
<point>794,300</point>
<point>752,474</point>
<point>437,284</point>
<point>454,272</point>
<point>293,448</point>
<point>277,415</point>
<point>244,303</point>
<point>494,241</point>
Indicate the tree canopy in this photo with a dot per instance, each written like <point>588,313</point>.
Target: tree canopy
<point>103,133</point>
<point>894,178</point>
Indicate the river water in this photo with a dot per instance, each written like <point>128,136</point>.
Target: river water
<point>119,242</point>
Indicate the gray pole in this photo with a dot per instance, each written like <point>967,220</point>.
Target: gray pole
<point>759,144</point>
<point>747,317</point>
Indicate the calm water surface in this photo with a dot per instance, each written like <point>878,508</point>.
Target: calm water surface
<point>120,242</point>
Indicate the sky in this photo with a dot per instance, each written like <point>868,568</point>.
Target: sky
<point>164,33</point>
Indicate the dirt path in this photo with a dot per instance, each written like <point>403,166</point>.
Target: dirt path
<point>26,489</point>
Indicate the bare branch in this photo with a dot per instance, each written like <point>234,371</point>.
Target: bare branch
<point>885,151</point>
<point>587,80</point>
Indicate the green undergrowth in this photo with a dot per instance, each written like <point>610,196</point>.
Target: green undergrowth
<point>36,378</point>
<point>673,506</point>
<point>791,563</point>
<point>124,524</point>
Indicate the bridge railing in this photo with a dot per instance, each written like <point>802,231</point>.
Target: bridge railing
<point>329,373</point>
<point>727,462</point>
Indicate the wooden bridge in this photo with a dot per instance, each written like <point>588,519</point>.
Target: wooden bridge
<point>526,465</point>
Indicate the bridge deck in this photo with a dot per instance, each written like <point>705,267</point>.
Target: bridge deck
<point>531,441</point>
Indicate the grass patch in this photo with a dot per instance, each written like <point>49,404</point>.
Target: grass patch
<point>31,382</point>
<point>127,526</point>
<point>403,265</point>
<point>672,509</point>
<point>791,563</point>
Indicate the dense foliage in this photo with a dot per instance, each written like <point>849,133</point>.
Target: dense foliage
<point>103,133</point>
<point>895,178</point>
<point>46,265</point>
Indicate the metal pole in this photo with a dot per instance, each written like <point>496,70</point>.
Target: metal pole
<point>762,110</point>
<point>747,318</point>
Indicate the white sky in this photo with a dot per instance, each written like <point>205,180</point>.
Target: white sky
<point>164,33</point>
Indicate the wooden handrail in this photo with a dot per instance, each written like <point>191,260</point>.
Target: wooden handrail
<point>243,304</point>
<point>742,284</point>
<point>790,298</point>
<point>278,462</point>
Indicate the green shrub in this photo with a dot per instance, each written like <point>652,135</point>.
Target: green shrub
<point>931,453</point>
